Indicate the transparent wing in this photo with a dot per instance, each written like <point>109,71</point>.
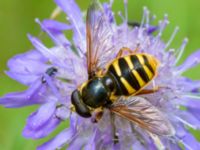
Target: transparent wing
<point>98,36</point>
<point>142,113</point>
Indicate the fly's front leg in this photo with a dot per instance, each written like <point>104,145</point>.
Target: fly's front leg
<point>72,108</point>
<point>97,115</point>
<point>128,50</point>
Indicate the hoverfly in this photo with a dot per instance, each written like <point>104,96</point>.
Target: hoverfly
<point>116,86</point>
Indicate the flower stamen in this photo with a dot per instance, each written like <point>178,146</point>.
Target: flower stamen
<point>181,50</point>
<point>172,37</point>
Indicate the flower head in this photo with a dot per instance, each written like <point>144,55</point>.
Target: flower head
<point>52,74</point>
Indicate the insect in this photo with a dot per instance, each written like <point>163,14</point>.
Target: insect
<point>116,86</point>
<point>50,72</point>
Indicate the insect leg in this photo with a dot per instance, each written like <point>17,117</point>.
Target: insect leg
<point>128,50</point>
<point>148,91</point>
<point>115,136</point>
<point>100,72</point>
<point>136,49</point>
<point>137,134</point>
<point>122,50</point>
<point>97,115</point>
<point>72,108</point>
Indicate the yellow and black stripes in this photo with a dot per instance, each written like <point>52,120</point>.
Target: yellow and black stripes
<point>127,74</point>
<point>120,88</point>
<point>148,64</point>
<point>132,72</point>
<point>138,66</point>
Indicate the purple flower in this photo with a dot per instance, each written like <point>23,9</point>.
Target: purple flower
<point>53,73</point>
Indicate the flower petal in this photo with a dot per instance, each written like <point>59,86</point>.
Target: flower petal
<point>43,130</point>
<point>188,85</point>
<point>24,67</point>
<point>91,145</point>
<point>25,98</point>
<point>62,112</point>
<point>139,146</point>
<point>108,12</point>
<point>189,142</point>
<point>25,79</point>
<point>192,105</point>
<point>41,116</point>
<point>75,17</point>
<point>188,119</point>
<point>55,25</point>
<point>54,32</point>
<point>61,139</point>
<point>190,62</point>
<point>57,55</point>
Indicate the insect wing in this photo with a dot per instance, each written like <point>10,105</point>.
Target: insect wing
<point>142,113</point>
<point>98,34</point>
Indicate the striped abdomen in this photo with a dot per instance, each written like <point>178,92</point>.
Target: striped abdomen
<point>132,73</point>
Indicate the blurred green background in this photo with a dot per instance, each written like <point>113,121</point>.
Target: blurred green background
<point>17,19</point>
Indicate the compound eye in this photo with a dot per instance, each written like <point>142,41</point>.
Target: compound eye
<point>108,82</point>
<point>80,107</point>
